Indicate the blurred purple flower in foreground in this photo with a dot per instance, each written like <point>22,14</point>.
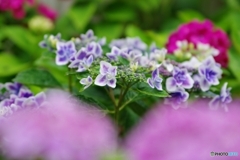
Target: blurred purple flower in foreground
<point>185,134</point>
<point>60,130</point>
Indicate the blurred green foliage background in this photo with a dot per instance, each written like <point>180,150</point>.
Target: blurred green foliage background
<point>151,20</point>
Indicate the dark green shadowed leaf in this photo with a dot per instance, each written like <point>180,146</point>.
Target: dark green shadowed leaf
<point>37,77</point>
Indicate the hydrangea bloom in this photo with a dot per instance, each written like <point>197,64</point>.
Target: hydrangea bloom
<point>209,74</point>
<point>63,129</point>
<point>184,134</point>
<point>223,99</point>
<point>180,79</point>
<point>107,75</point>
<point>65,51</point>
<point>201,32</point>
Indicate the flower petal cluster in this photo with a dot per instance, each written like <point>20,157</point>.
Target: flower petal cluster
<point>196,32</point>
<point>107,75</point>
<point>209,73</point>
<point>65,51</point>
<point>16,97</point>
<point>165,133</point>
<point>180,79</point>
<point>63,129</point>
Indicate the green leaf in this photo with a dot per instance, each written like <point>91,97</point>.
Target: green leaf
<point>123,60</point>
<point>120,13</point>
<point>234,64</point>
<point>81,15</point>
<point>37,77</point>
<point>189,15</point>
<point>144,88</point>
<point>23,39</point>
<point>109,30</point>
<point>10,65</point>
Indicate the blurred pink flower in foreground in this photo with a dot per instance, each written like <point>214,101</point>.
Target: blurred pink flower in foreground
<point>191,133</point>
<point>61,130</point>
<point>47,12</point>
<point>202,32</point>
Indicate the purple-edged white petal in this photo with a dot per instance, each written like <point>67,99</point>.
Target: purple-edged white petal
<point>89,61</point>
<point>105,67</point>
<point>171,84</point>
<point>112,82</point>
<point>155,74</point>
<point>150,82</point>
<point>86,81</point>
<point>204,85</point>
<point>98,50</point>
<point>101,80</point>
<point>61,60</point>
<point>74,64</point>
<point>158,83</point>
<point>65,51</point>
<point>215,102</point>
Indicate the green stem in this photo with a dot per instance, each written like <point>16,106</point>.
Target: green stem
<point>111,95</point>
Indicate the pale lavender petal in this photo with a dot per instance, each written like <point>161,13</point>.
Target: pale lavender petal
<point>215,102</point>
<point>171,85</point>
<point>89,33</point>
<point>40,98</point>
<point>112,56</point>
<point>115,50</point>
<point>74,64</point>
<point>150,82</point>
<point>158,83</point>
<point>98,50</point>
<point>81,68</point>
<point>89,61</point>
<point>104,67</point>
<point>188,83</point>
<point>91,47</point>
<point>112,82</point>
<point>84,81</point>
<point>101,80</point>
<point>204,85</point>
<point>155,74</point>
<point>113,70</point>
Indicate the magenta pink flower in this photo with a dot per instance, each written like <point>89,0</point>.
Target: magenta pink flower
<point>191,133</point>
<point>15,6</point>
<point>202,32</point>
<point>63,129</point>
<point>47,12</point>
